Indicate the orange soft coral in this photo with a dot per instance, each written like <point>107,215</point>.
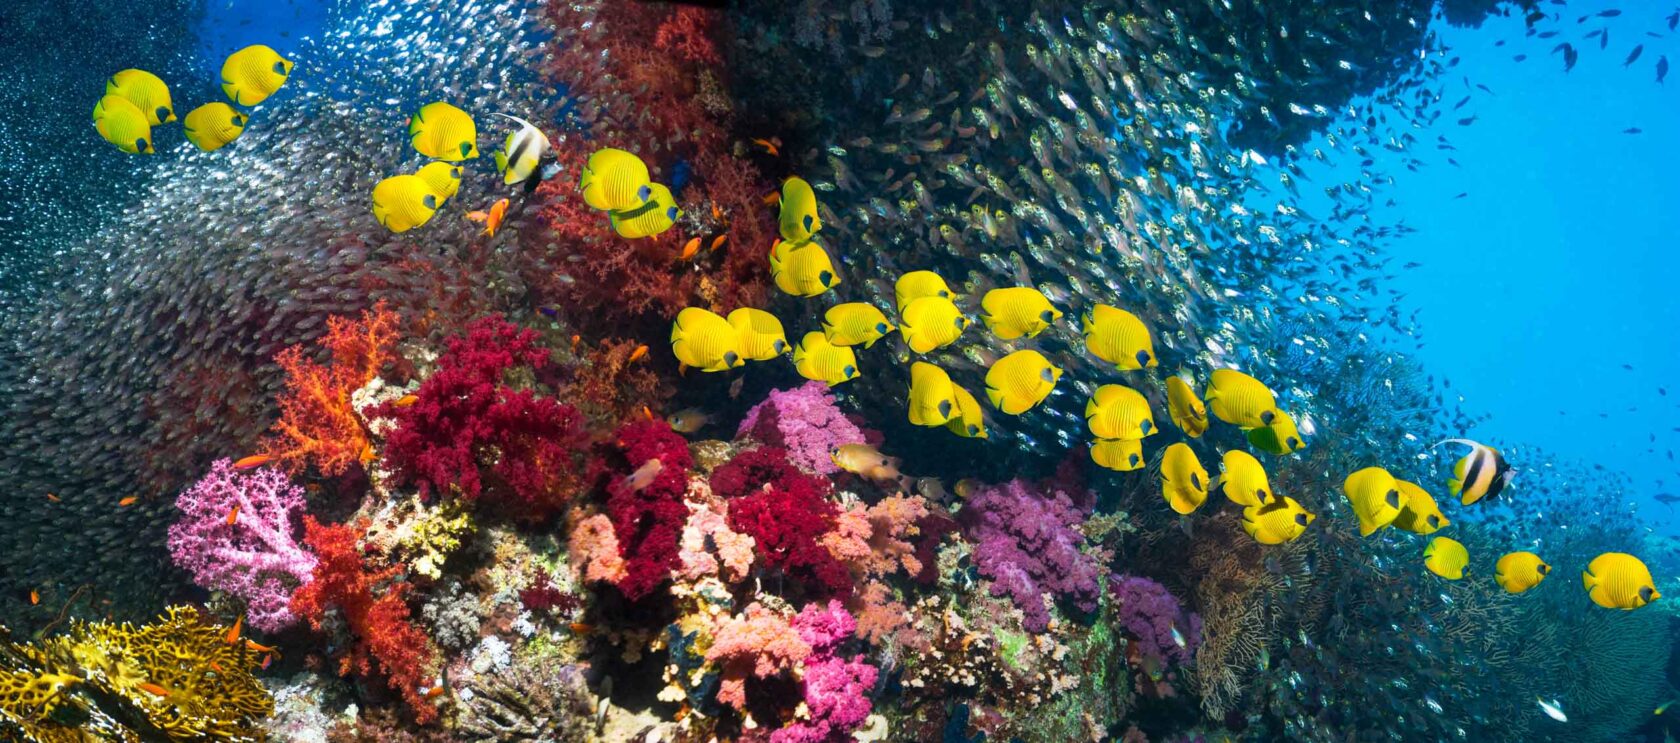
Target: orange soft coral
<point>317,427</point>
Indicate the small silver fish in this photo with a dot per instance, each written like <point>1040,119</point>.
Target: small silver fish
<point>1552,709</point>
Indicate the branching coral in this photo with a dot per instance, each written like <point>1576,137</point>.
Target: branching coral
<point>687,33</point>
<point>804,421</point>
<point>647,513</point>
<point>235,534</point>
<point>317,427</point>
<point>466,417</point>
<point>175,679</point>
<point>1028,544</point>
<point>374,611</point>
<point>787,513</point>
<point>758,643</point>
<point>432,539</point>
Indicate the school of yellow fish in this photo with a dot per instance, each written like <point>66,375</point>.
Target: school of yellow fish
<point>1118,416</point>
<point>136,100</point>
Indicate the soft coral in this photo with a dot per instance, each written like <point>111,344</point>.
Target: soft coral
<point>385,639</point>
<point>465,416</point>
<point>317,425</point>
<point>647,520</point>
<point>786,512</point>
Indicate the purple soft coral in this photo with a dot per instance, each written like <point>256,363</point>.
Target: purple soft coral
<point>806,422</point>
<point>836,689</point>
<point>1028,544</point>
<point>249,552</point>
<point>1150,614</point>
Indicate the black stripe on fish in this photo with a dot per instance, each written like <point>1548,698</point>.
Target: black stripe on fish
<point>1473,473</point>
<point>521,145</point>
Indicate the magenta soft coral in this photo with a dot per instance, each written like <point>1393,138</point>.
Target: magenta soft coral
<point>465,417</point>
<point>786,512</point>
<point>806,422</point>
<point>647,521</point>
<point>379,619</point>
<point>836,688</point>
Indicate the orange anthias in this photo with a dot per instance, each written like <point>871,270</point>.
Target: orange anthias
<point>255,460</point>
<point>689,249</point>
<point>492,218</point>
<point>641,350</point>
<point>233,632</point>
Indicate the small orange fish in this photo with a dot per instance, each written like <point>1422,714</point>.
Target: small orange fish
<point>768,146</point>
<point>34,598</point>
<point>406,401</point>
<point>434,692</point>
<point>646,413</point>
<point>255,460</point>
<point>254,647</point>
<point>151,688</point>
<point>773,198</point>
<point>129,501</point>
<point>54,498</point>
<point>233,515</point>
<point>233,632</point>
<point>641,351</point>
<point>492,219</point>
<point>575,340</point>
<point>717,242</point>
<point>367,454</point>
<point>689,249</point>
<point>267,659</point>
<point>217,667</point>
<point>717,213</point>
<point>579,628</point>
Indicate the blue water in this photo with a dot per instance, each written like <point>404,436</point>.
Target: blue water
<point>1558,267</point>
<point>228,25</point>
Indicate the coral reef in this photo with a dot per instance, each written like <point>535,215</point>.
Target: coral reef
<point>374,611</point>
<point>236,534</point>
<point>541,702</point>
<point>836,689</point>
<point>1154,620</point>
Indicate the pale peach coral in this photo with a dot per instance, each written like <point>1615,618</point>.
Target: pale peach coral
<point>759,642</point>
<point>594,550</point>
<point>706,523</point>
<point>873,541</point>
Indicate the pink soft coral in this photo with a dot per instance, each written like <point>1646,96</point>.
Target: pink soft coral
<point>804,421</point>
<point>758,643</point>
<point>251,553</point>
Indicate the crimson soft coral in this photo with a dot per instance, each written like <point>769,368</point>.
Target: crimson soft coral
<point>379,619</point>
<point>647,521</point>
<point>466,421</point>
<point>786,512</point>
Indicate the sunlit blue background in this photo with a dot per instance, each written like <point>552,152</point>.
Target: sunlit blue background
<point>1560,266</point>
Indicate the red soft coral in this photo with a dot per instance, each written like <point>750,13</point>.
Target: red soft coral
<point>787,512</point>
<point>379,619</point>
<point>317,426</point>
<point>647,517</point>
<point>687,33</point>
<point>466,417</point>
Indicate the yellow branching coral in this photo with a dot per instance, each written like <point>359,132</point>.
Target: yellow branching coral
<point>436,536</point>
<point>174,679</point>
